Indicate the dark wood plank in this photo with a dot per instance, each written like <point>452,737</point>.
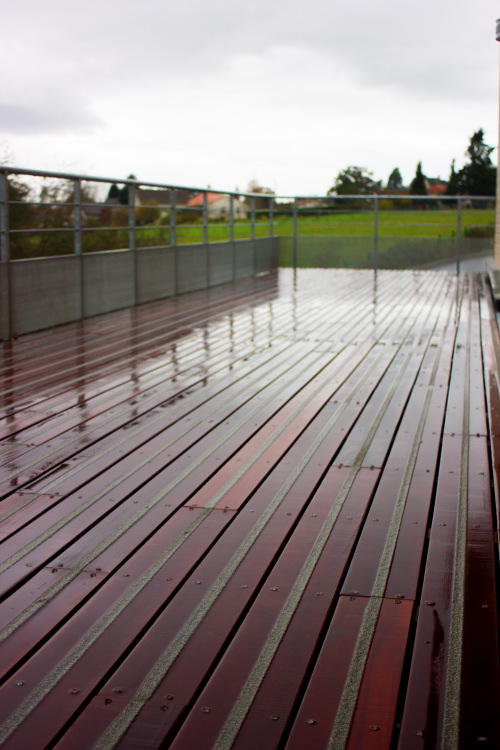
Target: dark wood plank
<point>267,661</point>
<point>315,716</point>
<point>374,717</point>
<point>222,511</point>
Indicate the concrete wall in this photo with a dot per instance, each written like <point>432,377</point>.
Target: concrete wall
<point>220,263</point>
<point>45,292</point>
<point>192,267</point>
<point>267,255</point>
<point>4,302</point>
<point>155,273</point>
<point>245,262</point>
<point>108,281</point>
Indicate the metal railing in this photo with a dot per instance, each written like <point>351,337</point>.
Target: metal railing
<point>55,227</point>
<point>71,215</point>
<point>388,231</point>
<point>73,207</point>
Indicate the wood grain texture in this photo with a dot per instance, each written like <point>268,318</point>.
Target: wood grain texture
<point>261,515</point>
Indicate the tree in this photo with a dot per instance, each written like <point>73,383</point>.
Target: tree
<point>255,187</point>
<point>22,215</point>
<point>453,182</point>
<point>261,204</point>
<point>123,197</point>
<point>417,185</point>
<point>114,192</point>
<point>478,151</point>
<point>148,213</point>
<point>355,181</point>
<point>478,175</point>
<point>395,181</point>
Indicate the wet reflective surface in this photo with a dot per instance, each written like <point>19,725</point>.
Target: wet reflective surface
<point>256,515</point>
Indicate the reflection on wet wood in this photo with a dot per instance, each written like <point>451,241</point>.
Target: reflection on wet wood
<point>261,515</point>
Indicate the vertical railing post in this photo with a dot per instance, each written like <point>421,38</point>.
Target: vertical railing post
<point>132,246</point>
<point>77,227</point>
<point>274,260</point>
<point>375,232</point>
<point>459,234</point>
<point>4,219</point>
<point>231,234</point>
<point>295,232</point>
<point>252,233</point>
<point>231,218</point>
<point>205,238</point>
<point>77,215</point>
<point>5,255</point>
<point>205,217</point>
<point>173,236</point>
<point>173,217</point>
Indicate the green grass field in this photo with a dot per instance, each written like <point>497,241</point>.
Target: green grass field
<point>390,223</point>
<point>431,224</point>
<point>317,233</point>
<point>405,239</point>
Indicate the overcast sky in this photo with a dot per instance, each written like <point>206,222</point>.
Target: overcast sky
<point>285,92</point>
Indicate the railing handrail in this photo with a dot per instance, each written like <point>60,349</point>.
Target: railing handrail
<point>9,169</point>
<point>6,169</point>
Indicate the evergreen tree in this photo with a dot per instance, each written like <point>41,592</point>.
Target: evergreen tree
<point>395,181</point>
<point>478,176</point>
<point>114,191</point>
<point>453,181</point>
<point>417,185</point>
<point>123,197</point>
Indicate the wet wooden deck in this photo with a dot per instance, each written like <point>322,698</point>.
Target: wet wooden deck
<point>260,516</point>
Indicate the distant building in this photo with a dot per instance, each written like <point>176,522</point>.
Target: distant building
<point>218,205</point>
<point>313,203</point>
<point>435,186</point>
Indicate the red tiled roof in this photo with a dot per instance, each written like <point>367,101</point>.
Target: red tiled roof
<point>197,200</point>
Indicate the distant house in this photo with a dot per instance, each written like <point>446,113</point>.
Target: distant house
<point>435,186</point>
<point>218,205</point>
<point>314,203</point>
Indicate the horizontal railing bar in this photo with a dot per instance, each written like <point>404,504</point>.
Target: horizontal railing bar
<point>310,212</point>
<point>138,183</point>
<point>341,224</point>
<point>42,230</point>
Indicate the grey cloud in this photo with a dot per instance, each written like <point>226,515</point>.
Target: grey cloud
<point>385,43</point>
<point>433,50</point>
<point>33,120</point>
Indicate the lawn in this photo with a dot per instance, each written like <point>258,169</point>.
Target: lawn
<point>404,238</point>
<point>325,239</point>
<point>390,223</point>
